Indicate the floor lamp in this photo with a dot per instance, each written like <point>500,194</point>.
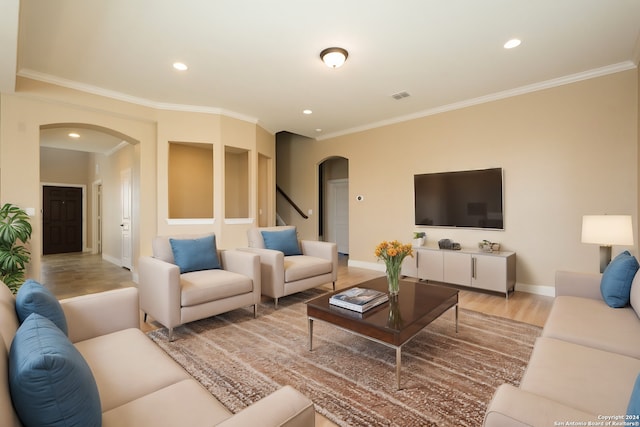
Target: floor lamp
<point>607,230</point>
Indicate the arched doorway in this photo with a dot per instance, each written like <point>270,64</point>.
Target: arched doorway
<point>90,160</point>
<point>333,202</point>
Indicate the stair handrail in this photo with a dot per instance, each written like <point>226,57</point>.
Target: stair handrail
<point>291,202</point>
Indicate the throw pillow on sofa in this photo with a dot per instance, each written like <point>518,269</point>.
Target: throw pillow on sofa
<point>615,285</point>
<point>285,241</point>
<point>195,254</point>
<point>50,382</point>
<point>32,297</point>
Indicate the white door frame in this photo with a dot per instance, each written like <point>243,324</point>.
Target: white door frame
<point>96,217</point>
<point>126,224</point>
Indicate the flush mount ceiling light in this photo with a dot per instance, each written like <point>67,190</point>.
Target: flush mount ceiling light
<point>334,57</point>
<point>74,135</point>
<point>180,66</point>
<point>512,43</point>
<point>307,112</point>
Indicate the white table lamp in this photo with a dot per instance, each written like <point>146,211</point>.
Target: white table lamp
<point>607,230</point>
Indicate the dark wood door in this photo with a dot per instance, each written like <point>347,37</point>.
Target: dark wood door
<point>61,219</point>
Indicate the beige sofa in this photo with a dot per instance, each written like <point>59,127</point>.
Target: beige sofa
<point>139,384</point>
<point>282,275</point>
<point>173,298</point>
<point>584,365</point>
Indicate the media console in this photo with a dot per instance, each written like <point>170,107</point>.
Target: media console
<point>493,271</point>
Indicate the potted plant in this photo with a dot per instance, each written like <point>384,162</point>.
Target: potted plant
<point>418,238</point>
<point>15,231</point>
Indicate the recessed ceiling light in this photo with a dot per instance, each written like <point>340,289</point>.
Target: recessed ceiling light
<point>74,135</point>
<point>307,111</point>
<point>512,43</point>
<point>318,130</point>
<point>180,66</point>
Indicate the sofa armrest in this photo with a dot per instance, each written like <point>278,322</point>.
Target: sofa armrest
<point>159,286</point>
<point>245,263</point>
<point>93,315</point>
<point>511,406</point>
<point>325,250</point>
<point>271,271</point>
<point>285,407</point>
<point>585,285</point>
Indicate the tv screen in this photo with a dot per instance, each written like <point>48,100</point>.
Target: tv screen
<point>472,199</point>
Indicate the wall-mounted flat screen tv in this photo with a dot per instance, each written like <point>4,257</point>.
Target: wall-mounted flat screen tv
<point>472,199</point>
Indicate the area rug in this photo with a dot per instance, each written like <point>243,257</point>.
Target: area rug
<point>448,378</point>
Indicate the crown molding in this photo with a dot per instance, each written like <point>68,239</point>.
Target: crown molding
<point>119,96</point>
<point>561,81</point>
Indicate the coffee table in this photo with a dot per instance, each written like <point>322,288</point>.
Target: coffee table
<point>393,323</point>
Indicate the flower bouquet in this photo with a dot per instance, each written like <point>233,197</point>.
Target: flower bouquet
<point>393,253</point>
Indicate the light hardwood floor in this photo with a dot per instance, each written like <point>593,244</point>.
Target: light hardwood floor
<point>68,275</point>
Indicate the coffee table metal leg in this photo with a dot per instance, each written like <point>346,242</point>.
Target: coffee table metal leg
<point>398,364</point>
<point>456,318</point>
<point>310,334</point>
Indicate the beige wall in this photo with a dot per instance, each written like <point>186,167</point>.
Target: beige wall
<point>149,131</point>
<point>566,152</point>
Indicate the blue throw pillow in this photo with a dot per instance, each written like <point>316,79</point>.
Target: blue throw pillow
<point>32,297</point>
<point>285,241</point>
<point>195,254</point>
<point>615,285</point>
<point>634,400</point>
<point>51,384</point>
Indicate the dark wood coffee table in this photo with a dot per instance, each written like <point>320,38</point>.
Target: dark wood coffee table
<point>393,323</point>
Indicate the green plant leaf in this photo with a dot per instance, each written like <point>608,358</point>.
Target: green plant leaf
<point>15,228</point>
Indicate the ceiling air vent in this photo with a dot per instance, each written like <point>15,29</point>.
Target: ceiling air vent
<point>400,95</point>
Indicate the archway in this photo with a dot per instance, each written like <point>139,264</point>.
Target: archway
<point>93,159</point>
<point>333,202</point>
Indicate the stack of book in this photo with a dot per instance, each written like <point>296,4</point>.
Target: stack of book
<point>359,299</point>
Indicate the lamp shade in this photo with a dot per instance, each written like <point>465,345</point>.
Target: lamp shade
<point>607,230</point>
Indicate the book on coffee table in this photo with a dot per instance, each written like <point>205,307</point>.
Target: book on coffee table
<point>358,299</point>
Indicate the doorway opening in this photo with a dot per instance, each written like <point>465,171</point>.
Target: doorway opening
<point>91,158</point>
<point>333,202</point>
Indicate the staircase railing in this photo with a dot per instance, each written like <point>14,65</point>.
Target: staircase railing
<point>291,202</point>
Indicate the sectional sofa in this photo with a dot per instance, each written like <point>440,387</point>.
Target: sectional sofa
<point>585,365</point>
<point>92,366</point>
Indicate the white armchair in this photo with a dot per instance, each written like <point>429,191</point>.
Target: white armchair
<point>173,297</point>
<point>284,273</point>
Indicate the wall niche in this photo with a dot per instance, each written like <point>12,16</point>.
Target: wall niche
<point>236,182</point>
<point>190,176</point>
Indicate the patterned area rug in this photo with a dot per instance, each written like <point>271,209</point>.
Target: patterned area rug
<point>448,378</point>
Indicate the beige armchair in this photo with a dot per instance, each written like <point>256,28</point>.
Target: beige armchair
<point>173,297</point>
<point>284,273</point>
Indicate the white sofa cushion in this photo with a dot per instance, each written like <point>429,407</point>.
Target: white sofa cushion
<point>199,287</point>
<point>127,365</point>
<point>190,405</point>
<point>584,378</point>
<point>298,267</point>
<point>594,324</point>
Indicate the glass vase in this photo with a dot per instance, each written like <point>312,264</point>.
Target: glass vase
<point>393,276</point>
<point>395,319</point>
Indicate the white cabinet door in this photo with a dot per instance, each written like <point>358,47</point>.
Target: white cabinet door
<point>410,265</point>
<point>489,272</point>
<point>457,268</point>
<point>430,265</point>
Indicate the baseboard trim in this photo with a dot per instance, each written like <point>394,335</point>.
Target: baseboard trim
<point>112,260</point>
<point>548,291</point>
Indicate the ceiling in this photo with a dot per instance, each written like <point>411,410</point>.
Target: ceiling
<point>259,60</point>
